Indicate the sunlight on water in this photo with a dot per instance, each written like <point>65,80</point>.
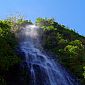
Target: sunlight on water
<point>30,31</point>
<point>44,71</point>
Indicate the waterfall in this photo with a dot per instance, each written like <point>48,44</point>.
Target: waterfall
<point>43,69</point>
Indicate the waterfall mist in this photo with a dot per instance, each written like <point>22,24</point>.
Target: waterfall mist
<point>43,70</point>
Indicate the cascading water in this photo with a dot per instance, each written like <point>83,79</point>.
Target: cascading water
<point>43,70</point>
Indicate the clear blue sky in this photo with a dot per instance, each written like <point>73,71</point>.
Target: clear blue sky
<point>71,13</point>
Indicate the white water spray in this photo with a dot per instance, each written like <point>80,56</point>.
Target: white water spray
<point>44,71</point>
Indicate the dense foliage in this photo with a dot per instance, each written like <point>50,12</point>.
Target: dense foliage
<point>56,38</point>
<point>66,43</point>
<point>8,43</point>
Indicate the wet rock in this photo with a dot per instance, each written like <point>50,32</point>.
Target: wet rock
<point>18,75</point>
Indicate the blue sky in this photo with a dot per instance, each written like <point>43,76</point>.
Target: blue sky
<point>71,13</point>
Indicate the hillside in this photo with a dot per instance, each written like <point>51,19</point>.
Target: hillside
<point>66,43</point>
<point>56,38</point>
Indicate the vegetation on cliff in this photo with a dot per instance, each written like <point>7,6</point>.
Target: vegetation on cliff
<point>8,43</point>
<point>66,43</point>
<point>56,38</point>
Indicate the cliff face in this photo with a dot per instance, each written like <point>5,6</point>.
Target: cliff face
<point>66,43</point>
<point>56,38</point>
